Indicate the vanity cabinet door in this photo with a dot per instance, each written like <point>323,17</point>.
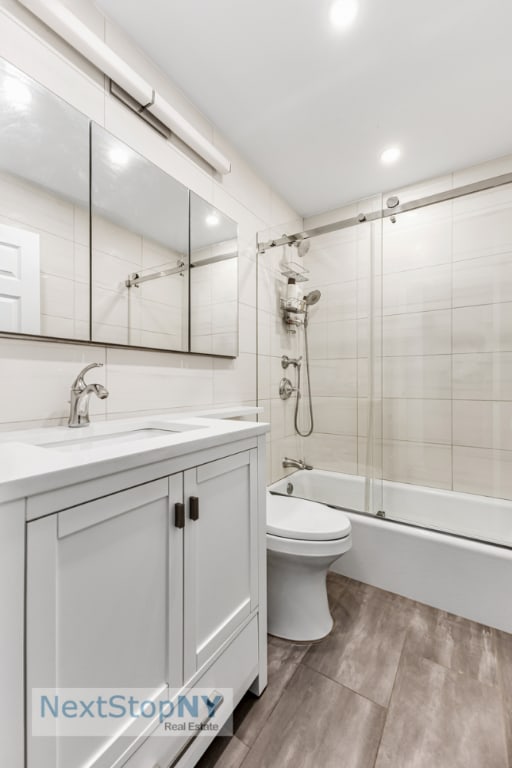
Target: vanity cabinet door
<point>220,553</point>
<point>104,611</point>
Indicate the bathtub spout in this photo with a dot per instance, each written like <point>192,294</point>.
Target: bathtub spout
<point>296,463</point>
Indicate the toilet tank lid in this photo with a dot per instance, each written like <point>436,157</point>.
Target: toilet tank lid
<point>293,518</point>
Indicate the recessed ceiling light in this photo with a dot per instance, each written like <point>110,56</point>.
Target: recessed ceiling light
<point>390,155</point>
<point>343,13</point>
<point>212,219</point>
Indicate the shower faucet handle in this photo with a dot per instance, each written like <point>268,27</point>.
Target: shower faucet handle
<point>286,361</point>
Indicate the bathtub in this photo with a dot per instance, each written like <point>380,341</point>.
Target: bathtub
<point>448,568</point>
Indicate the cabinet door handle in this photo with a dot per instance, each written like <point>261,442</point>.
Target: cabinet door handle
<point>179,515</point>
<point>194,508</point>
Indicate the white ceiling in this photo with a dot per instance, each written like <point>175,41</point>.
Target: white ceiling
<point>312,107</point>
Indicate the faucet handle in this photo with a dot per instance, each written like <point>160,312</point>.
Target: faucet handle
<point>79,381</point>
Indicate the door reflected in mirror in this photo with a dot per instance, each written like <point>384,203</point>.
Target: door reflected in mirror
<point>139,249</point>
<point>213,280</point>
<point>44,211</point>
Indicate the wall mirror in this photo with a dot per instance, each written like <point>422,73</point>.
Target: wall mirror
<point>99,244</point>
<point>139,226</point>
<point>213,280</point>
<point>44,211</point>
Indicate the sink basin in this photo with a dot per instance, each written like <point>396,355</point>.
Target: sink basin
<point>86,443</point>
<point>107,435</point>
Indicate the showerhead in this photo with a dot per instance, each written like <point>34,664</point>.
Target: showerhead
<point>313,297</point>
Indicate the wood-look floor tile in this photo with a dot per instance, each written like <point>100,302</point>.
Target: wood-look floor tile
<point>224,752</point>
<point>318,724</point>
<point>504,649</point>
<point>283,651</point>
<point>453,642</point>
<point>439,718</point>
<point>363,650</point>
<point>252,712</point>
<point>336,584</point>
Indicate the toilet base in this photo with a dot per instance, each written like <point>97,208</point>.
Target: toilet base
<point>298,608</point>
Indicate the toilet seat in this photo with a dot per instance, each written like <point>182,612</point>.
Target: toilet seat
<point>301,520</point>
<point>303,548</point>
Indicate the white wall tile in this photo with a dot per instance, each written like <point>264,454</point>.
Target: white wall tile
<point>334,378</point>
<point>486,328</point>
<point>417,463</point>
<point>417,290</point>
<point>482,235</point>
<point>483,471</point>
<point>423,377</point>
<point>342,339</point>
<point>483,376</point>
<point>411,243</point>
<point>421,421</point>
<point>335,415</point>
<point>482,280</point>
<point>419,333</point>
<point>482,424</point>
<point>153,381</point>
<point>337,453</point>
<point>234,380</point>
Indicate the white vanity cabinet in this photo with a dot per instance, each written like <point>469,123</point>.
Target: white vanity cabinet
<point>221,581</point>
<point>154,587</point>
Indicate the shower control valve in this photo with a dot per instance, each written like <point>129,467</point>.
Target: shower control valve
<point>286,361</point>
<point>286,389</point>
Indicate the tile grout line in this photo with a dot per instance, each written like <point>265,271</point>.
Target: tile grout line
<point>391,694</point>
<point>342,685</point>
<point>250,746</point>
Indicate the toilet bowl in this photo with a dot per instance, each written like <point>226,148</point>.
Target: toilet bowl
<point>303,539</point>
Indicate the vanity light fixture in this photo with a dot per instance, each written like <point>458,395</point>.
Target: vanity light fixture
<point>343,13</point>
<point>63,21</point>
<point>390,155</point>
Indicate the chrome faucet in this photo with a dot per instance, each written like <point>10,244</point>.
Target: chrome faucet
<point>296,463</point>
<point>80,396</point>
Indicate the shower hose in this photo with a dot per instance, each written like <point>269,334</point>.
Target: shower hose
<point>308,432</point>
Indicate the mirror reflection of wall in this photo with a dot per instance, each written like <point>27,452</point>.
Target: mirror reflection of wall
<point>139,249</point>
<point>213,280</point>
<point>44,211</point>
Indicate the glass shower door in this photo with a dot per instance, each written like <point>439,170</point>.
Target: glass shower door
<point>341,335</point>
<point>446,375</point>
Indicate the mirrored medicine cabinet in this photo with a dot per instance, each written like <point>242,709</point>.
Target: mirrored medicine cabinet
<point>98,244</point>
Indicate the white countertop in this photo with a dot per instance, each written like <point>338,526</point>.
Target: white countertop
<point>29,464</point>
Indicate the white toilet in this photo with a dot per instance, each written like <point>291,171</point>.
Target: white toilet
<point>303,539</point>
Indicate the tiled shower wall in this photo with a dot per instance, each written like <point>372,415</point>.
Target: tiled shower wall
<point>444,277</point>
<point>35,376</point>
